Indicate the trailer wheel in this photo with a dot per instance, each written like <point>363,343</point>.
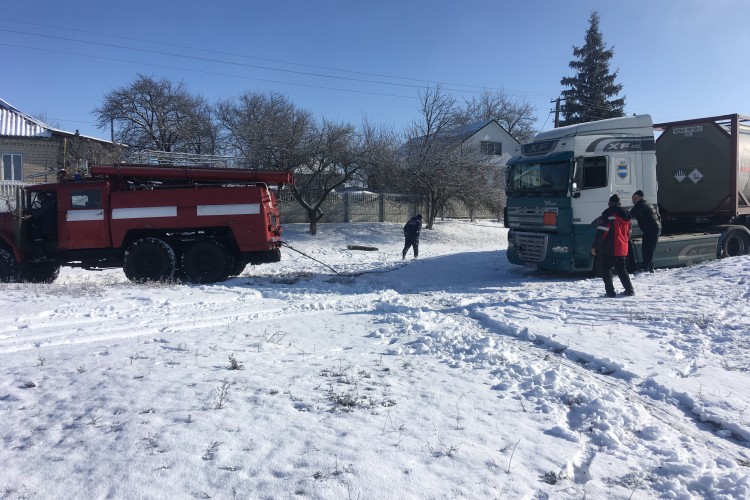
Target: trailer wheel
<point>149,259</point>
<point>735,244</point>
<point>207,262</point>
<point>42,272</point>
<point>8,267</point>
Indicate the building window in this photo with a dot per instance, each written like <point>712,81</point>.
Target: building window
<point>12,168</point>
<point>491,148</point>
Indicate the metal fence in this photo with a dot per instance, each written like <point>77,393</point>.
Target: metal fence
<point>8,194</point>
<point>373,207</point>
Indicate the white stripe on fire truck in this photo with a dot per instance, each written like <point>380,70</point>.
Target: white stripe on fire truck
<point>239,209</point>
<point>143,212</point>
<point>79,215</point>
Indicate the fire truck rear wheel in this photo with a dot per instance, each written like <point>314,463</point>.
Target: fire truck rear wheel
<point>8,267</point>
<point>239,266</point>
<point>207,262</point>
<point>149,259</point>
<point>39,272</point>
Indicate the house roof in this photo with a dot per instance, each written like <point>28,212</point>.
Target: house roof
<point>467,131</point>
<point>463,132</point>
<point>16,123</point>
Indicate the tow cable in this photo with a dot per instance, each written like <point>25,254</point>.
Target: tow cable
<point>347,275</point>
<point>290,247</point>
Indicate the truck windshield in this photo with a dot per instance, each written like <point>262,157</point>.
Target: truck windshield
<point>527,179</point>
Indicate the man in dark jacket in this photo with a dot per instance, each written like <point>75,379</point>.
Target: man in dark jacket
<point>411,235</point>
<point>611,244</point>
<point>648,221</point>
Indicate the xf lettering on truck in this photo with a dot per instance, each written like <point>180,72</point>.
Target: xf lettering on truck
<point>695,250</point>
<point>538,148</point>
<point>623,146</point>
<point>639,144</point>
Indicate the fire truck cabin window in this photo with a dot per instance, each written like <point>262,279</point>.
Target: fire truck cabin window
<point>85,198</point>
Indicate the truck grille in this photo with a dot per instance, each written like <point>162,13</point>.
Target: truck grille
<point>531,247</point>
<point>530,217</point>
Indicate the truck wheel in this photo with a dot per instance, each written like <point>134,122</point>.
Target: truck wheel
<point>8,267</point>
<point>734,244</point>
<point>207,262</point>
<point>149,259</point>
<point>239,266</point>
<point>42,272</point>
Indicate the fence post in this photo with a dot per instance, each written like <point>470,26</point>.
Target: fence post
<point>381,207</point>
<point>347,212</point>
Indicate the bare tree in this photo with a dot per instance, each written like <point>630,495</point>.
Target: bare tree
<point>267,131</point>
<point>382,155</point>
<point>484,182</point>
<point>338,155</point>
<point>514,114</point>
<point>155,114</point>
<point>80,152</point>
<point>432,163</point>
<point>202,134</point>
<point>331,160</point>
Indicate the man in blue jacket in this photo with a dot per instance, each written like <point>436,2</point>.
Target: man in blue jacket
<point>411,235</point>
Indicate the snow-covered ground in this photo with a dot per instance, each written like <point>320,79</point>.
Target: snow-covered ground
<point>453,375</point>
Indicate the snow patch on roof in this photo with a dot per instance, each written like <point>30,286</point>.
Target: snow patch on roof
<point>16,123</point>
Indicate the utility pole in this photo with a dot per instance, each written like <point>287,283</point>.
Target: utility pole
<point>557,111</point>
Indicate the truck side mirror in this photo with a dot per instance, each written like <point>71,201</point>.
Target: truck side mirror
<point>575,180</point>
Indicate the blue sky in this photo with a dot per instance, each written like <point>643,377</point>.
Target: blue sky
<point>345,60</point>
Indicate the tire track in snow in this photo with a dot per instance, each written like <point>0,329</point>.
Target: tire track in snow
<point>605,394</point>
<point>67,328</point>
<point>647,392</point>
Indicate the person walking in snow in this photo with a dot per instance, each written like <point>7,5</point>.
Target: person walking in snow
<point>611,243</point>
<point>648,221</point>
<point>411,235</point>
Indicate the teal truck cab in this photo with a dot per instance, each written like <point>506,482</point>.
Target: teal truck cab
<point>696,172</point>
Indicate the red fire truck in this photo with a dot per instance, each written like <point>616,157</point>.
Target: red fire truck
<point>156,222</point>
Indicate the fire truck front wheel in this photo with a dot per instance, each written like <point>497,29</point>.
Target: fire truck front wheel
<point>149,259</point>
<point>207,262</point>
<point>8,267</point>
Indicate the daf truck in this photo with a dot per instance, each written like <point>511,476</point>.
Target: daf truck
<point>696,173</point>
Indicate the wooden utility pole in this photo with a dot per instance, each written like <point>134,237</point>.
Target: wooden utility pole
<point>557,111</point>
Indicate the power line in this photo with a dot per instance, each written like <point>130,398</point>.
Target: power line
<point>219,61</point>
<point>208,72</point>
<point>211,51</point>
<point>267,68</point>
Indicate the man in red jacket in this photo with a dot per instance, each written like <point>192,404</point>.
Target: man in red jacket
<point>611,244</point>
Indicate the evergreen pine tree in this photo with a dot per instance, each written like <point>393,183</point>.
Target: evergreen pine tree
<point>587,98</point>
